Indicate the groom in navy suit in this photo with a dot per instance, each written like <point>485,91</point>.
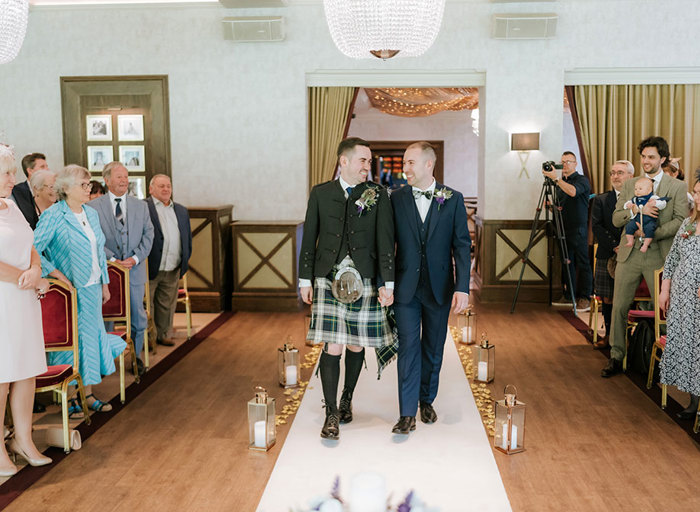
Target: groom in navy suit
<point>431,232</point>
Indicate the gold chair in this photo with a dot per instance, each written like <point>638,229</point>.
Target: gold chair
<point>149,321</point>
<point>642,294</point>
<point>59,315</point>
<point>118,309</point>
<point>596,301</point>
<point>660,341</point>
<point>183,296</point>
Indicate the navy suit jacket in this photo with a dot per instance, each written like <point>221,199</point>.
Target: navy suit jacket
<point>183,224</point>
<point>23,197</point>
<point>448,240</point>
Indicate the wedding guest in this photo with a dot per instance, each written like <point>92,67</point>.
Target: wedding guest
<point>608,237</point>
<point>170,254</point>
<point>21,334</point>
<point>674,170</point>
<point>680,297</point>
<point>97,189</point>
<point>22,193</point>
<point>71,244</point>
<point>42,185</point>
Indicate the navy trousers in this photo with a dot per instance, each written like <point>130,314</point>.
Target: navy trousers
<point>422,325</point>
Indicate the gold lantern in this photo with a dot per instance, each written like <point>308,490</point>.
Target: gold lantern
<point>466,325</point>
<point>509,423</point>
<point>261,421</point>
<point>288,365</point>
<point>485,361</point>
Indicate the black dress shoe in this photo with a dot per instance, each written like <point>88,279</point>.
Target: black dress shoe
<point>427,413</point>
<point>613,367</point>
<point>139,367</point>
<point>166,342</point>
<point>331,428</point>
<point>405,425</point>
<point>689,412</point>
<point>345,410</point>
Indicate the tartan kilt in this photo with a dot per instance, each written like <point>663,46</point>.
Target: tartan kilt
<point>363,323</point>
<point>604,284</point>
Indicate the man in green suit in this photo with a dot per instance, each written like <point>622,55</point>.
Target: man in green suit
<point>349,224</point>
<point>632,264</point>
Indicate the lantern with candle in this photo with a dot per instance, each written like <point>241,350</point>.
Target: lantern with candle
<point>288,365</point>
<point>466,325</point>
<point>510,423</point>
<point>261,421</point>
<point>485,361</point>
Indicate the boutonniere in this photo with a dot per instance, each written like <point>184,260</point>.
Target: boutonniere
<point>441,195</point>
<point>690,230</point>
<point>367,200</point>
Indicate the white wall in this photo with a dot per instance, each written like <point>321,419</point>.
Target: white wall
<point>238,111</point>
<point>454,128</point>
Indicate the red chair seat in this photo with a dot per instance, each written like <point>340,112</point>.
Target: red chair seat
<point>181,293</point>
<point>642,290</point>
<point>637,314</point>
<point>662,341</point>
<point>54,375</point>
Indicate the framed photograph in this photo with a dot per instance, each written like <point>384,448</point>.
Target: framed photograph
<point>137,186</point>
<point>130,127</point>
<point>99,127</point>
<point>98,157</point>
<point>133,157</point>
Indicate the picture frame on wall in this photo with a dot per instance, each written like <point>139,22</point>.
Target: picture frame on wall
<point>133,157</point>
<point>137,187</point>
<point>130,127</point>
<point>98,157</point>
<point>99,128</point>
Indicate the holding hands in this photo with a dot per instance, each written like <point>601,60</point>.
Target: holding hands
<point>460,302</point>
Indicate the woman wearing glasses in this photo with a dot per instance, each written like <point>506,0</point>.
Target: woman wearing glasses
<point>71,245</point>
<point>42,185</point>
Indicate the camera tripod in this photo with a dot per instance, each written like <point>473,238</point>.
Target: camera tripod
<point>548,202</point>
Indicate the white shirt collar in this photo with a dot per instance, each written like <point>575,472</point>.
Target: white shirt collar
<point>657,178</point>
<point>431,188</point>
<point>159,202</point>
<point>112,197</point>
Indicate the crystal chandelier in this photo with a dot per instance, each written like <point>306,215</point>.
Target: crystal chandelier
<point>13,26</point>
<point>383,28</point>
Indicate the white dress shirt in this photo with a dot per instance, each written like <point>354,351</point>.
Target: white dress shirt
<point>172,249</point>
<point>422,202</point>
<point>95,273</point>
<point>656,179</point>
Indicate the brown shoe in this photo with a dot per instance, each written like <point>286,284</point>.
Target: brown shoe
<point>166,342</point>
<point>602,343</point>
<point>583,305</point>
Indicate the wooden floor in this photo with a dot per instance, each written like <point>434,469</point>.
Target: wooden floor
<point>592,443</point>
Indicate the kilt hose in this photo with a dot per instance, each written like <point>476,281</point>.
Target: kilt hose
<point>363,323</point>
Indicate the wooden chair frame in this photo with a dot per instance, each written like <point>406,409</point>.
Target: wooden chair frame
<point>126,319</point>
<point>62,387</point>
<point>658,348</point>
<point>631,325</point>
<point>596,301</point>
<point>147,300</point>
<point>186,301</point>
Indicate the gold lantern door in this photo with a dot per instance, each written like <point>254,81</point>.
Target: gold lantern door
<point>484,361</point>
<point>262,433</point>
<point>288,365</point>
<point>466,326</point>
<point>509,423</point>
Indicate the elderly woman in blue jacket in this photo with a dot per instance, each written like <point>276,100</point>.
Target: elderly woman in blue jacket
<point>71,244</point>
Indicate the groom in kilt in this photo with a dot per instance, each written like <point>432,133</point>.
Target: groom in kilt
<point>349,223</point>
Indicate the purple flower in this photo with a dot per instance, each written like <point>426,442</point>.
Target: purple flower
<point>335,490</point>
<point>406,505</point>
<point>359,208</point>
<point>440,199</point>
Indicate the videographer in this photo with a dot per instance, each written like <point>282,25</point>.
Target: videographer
<point>572,194</point>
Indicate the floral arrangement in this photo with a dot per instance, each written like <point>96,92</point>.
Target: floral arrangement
<point>333,502</point>
<point>442,195</point>
<point>367,200</point>
<point>690,230</point>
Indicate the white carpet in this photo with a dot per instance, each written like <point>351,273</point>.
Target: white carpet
<point>450,464</point>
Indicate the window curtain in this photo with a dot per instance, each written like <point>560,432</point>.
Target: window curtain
<point>329,119</point>
<point>613,119</point>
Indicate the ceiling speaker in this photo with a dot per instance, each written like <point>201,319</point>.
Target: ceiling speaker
<point>254,29</point>
<point>524,26</point>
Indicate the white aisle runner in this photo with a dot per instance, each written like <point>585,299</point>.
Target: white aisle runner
<point>450,464</point>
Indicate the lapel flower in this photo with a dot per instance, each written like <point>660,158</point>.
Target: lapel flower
<point>367,200</point>
<point>441,195</point>
<point>690,230</point>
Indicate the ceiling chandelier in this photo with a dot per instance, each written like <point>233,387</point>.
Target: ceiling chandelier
<point>13,26</point>
<point>383,28</point>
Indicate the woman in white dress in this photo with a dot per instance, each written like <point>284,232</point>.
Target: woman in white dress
<point>21,335</point>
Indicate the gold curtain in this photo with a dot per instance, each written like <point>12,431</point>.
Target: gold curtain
<point>615,118</point>
<point>329,111</point>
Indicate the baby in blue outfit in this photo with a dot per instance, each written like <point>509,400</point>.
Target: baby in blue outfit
<point>643,193</point>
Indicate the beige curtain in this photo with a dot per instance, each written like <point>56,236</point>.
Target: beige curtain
<point>329,111</point>
<point>613,120</point>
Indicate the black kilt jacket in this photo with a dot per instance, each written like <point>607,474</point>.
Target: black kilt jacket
<point>334,228</point>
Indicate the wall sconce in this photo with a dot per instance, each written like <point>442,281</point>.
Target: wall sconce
<point>523,143</point>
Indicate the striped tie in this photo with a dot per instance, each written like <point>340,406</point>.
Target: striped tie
<point>118,211</point>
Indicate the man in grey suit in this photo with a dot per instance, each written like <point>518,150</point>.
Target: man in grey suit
<point>129,236</point>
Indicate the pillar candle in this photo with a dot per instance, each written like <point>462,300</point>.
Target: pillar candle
<point>483,371</point>
<point>513,437</point>
<point>260,438</point>
<point>504,437</point>
<point>290,375</point>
